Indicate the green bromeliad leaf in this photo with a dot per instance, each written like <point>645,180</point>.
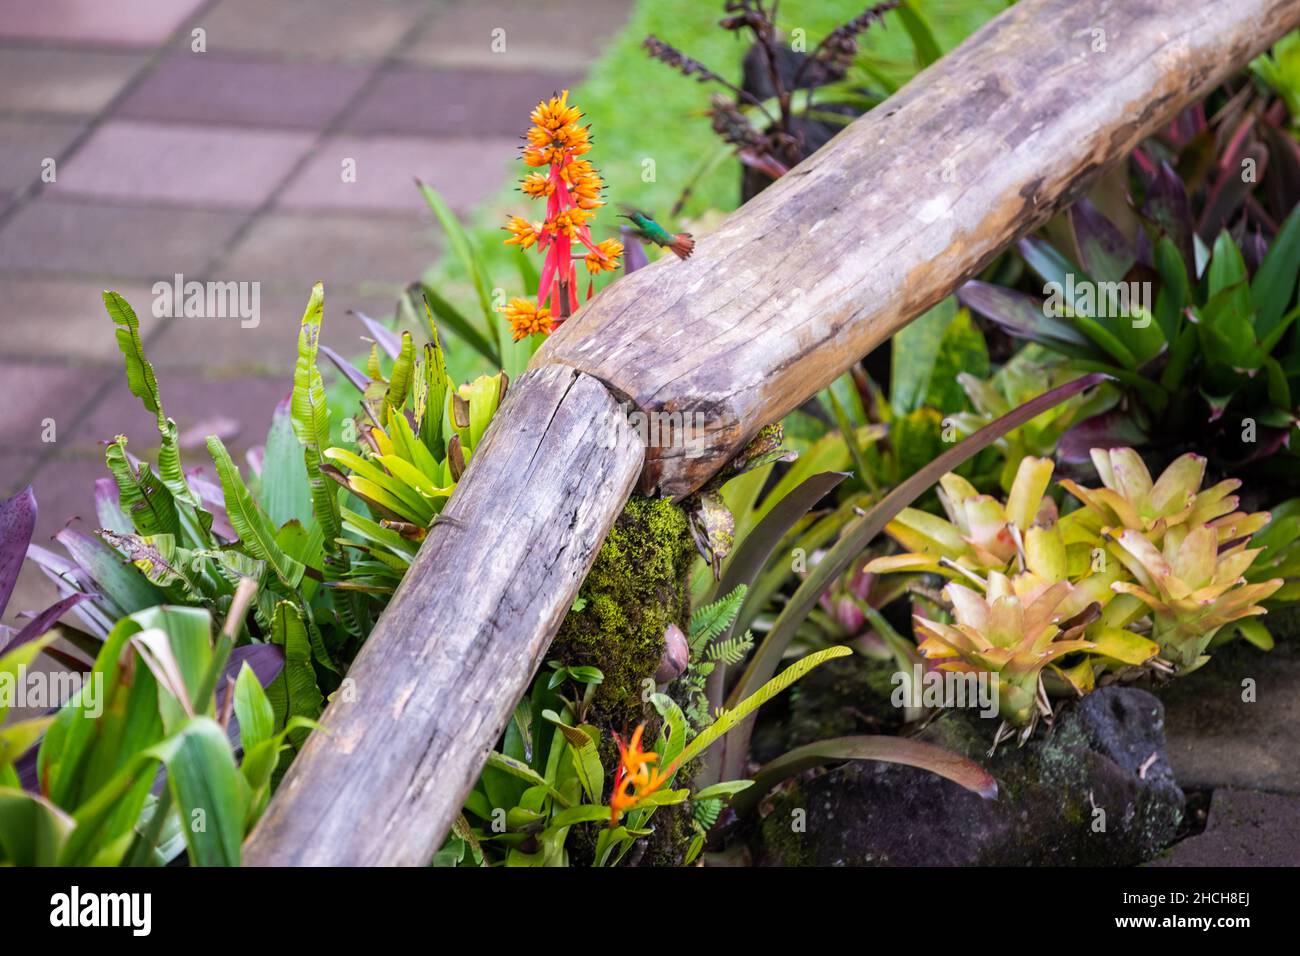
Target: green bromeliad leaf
<point>252,526</point>
<point>144,385</point>
<point>310,415</point>
<point>295,692</point>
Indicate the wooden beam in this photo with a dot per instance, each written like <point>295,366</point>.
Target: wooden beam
<point>438,678</point>
<point>896,212</point>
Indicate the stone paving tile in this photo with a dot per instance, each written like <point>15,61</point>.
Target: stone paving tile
<point>342,251</point>
<point>453,102</point>
<point>317,29</point>
<point>44,400</point>
<point>1244,828</point>
<point>210,88</point>
<point>52,236</point>
<point>1216,739</point>
<point>224,348</point>
<point>25,144</point>
<point>237,409</point>
<point>140,22</point>
<point>465,171</point>
<point>65,318</point>
<point>65,493</point>
<point>193,165</point>
<point>536,36</point>
<point>63,81</point>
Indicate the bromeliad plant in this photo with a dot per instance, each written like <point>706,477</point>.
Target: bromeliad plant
<point>1207,356</point>
<point>415,435</point>
<point>791,102</point>
<point>144,761</point>
<point>550,779</point>
<point>1145,568</point>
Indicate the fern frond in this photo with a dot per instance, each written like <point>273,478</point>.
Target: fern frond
<point>706,812</point>
<point>731,651</point>
<point>711,620</point>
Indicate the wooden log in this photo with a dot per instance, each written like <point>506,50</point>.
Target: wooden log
<point>895,213</point>
<point>441,674</point>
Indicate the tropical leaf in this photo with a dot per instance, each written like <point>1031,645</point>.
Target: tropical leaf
<point>896,750</point>
<point>252,526</point>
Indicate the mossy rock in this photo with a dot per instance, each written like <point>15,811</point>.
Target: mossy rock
<point>637,586</point>
<point>1095,790</point>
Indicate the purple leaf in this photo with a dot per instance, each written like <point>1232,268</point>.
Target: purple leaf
<point>1167,206</point>
<point>1021,315</point>
<point>1113,429</point>
<point>634,256</point>
<point>359,380</point>
<point>41,623</point>
<point>266,660</point>
<point>1104,253</point>
<point>388,340</point>
<point>17,522</point>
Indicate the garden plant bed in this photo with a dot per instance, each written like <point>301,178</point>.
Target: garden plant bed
<point>938,506</point>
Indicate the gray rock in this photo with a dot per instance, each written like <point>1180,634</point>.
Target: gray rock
<point>1244,828</point>
<point>1096,789</point>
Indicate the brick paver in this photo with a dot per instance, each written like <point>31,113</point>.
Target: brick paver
<point>133,23</point>
<point>234,90</point>
<point>219,167</point>
<point>382,171</point>
<point>225,165</point>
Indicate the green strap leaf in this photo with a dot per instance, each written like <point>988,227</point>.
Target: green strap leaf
<point>252,526</point>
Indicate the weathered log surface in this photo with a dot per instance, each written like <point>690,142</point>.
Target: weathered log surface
<point>897,210</point>
<point>468,627</point>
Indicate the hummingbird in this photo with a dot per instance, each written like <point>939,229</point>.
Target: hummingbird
<point>680,243</point>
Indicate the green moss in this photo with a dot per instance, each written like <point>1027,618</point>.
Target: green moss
<point>636,588</point>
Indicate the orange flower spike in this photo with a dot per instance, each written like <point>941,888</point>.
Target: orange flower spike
<point>637,776</point>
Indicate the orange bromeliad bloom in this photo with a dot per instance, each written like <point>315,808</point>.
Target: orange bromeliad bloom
<point>612,249</point>
<point>526,318</point>
<point>637,776</point>
<point>571,187</point>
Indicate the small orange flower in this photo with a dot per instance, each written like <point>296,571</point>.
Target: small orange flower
<point>537,157</point>
<point>526,318</point>
<point>577,170</point>
<point>556,113</point>
<point>636,777</point>
<point>607,261</point>
<point>572,190</point>
<point>567,223</point>
<point>522,232</point>
<point>537,185</point>
<point>586,192</point>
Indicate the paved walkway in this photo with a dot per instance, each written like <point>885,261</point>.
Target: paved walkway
<point>227,165</point>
